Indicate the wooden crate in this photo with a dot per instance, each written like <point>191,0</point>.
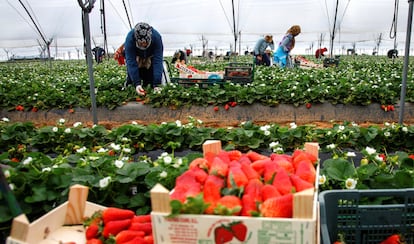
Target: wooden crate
<point>188,228</point>
<point>62,224</point>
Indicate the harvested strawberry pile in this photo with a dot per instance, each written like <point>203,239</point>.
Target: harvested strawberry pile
<point>244,184</point>
<point>118,226</point>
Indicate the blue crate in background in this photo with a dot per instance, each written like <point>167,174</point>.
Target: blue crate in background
<point>366,216</point>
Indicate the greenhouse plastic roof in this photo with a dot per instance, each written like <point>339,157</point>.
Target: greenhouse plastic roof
<point>190,23</point>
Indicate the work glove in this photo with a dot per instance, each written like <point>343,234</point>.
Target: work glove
<point>140,90</point>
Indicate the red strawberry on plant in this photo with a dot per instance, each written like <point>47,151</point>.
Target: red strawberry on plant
<point>233,104</point>
<point>308,105</point>
<point>112,213</point>
<point>216,108</point>
<point>239,230</point>
<point>222,235</point>
<point>226,107</point>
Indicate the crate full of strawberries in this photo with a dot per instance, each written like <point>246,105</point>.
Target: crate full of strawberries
<point>234,197</point>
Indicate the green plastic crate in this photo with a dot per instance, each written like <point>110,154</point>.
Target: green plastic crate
<point>366,216</point>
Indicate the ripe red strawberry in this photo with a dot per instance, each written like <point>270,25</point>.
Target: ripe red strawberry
<point>284,163</point>
<point>393,239</point>
<point>300,155</point>
<point>234,155</point>
<point>216,108</point>
<point>212,191</point>
<point>282,182</point>
<point>71,110</point>
<point>270,170</point>
<point>136,240</point>
<point>112,213</point>
<point>236,178</point>
<point>184,190</point>
<point>144,227</point>
<point>233,104</point>
<point>300,184</point>
<point>149,239</point>
<point>201,163</point>
<point>226,107</point>
<point>113,227</point>
<point>249,171</point>
<point>94,241</point>
<point>222,235</point>
<point>259,165</point>
<point>224,155</point>
<point>254,188</point>
<point>92,231</point>
<point>228,205</point>
<point>19,108</point>
<point>306,171</point>
<point>239,230</point>
<point>35,109</point>
<point>278,207</point>
<point>127,235</point>
<point>269,191</point>
<point>249,206</point>
<point>219,167</point>
<point>253,156</point>
<point>308,105</point>
<point>142,218</point>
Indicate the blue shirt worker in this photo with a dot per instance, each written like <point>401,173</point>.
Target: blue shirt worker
<point>262,50</point>
<point>144,57</point>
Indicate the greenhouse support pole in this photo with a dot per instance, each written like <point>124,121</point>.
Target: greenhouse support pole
<point>87,36</point>
<point>406,62</point>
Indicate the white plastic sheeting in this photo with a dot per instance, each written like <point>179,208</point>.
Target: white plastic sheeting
<point>189,23</point>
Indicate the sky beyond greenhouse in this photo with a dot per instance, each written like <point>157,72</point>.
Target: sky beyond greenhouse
<point>190,23</point>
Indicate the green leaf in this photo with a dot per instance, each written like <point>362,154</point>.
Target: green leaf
<point>338,169</point>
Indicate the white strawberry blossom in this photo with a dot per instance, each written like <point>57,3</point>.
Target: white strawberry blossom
<point>370,150</point>
<point>167,159</point>
<point>61,121</point>
<point>119,163</point>
<point>27,161</point>
<point>178,123</point>
<point>163,174</point>
<point>47,169</point>
<point>4,119</point>
<point>114,146</point>
<point>404,129</point>
<point>102,150</point>
<point>331,146</point>
<point>55,129</point>
<point>350,183</point>
<point>12,186</point>
<point>293,125</point>
<point>81,150</point>
<point>68,130</point>
<point>126,150</point>
<point>77,124</point>
<point>6,173</point>
<point>350,154</point>
<point>134,123</point>
<point>104,182</point>
<point>387,134</point>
